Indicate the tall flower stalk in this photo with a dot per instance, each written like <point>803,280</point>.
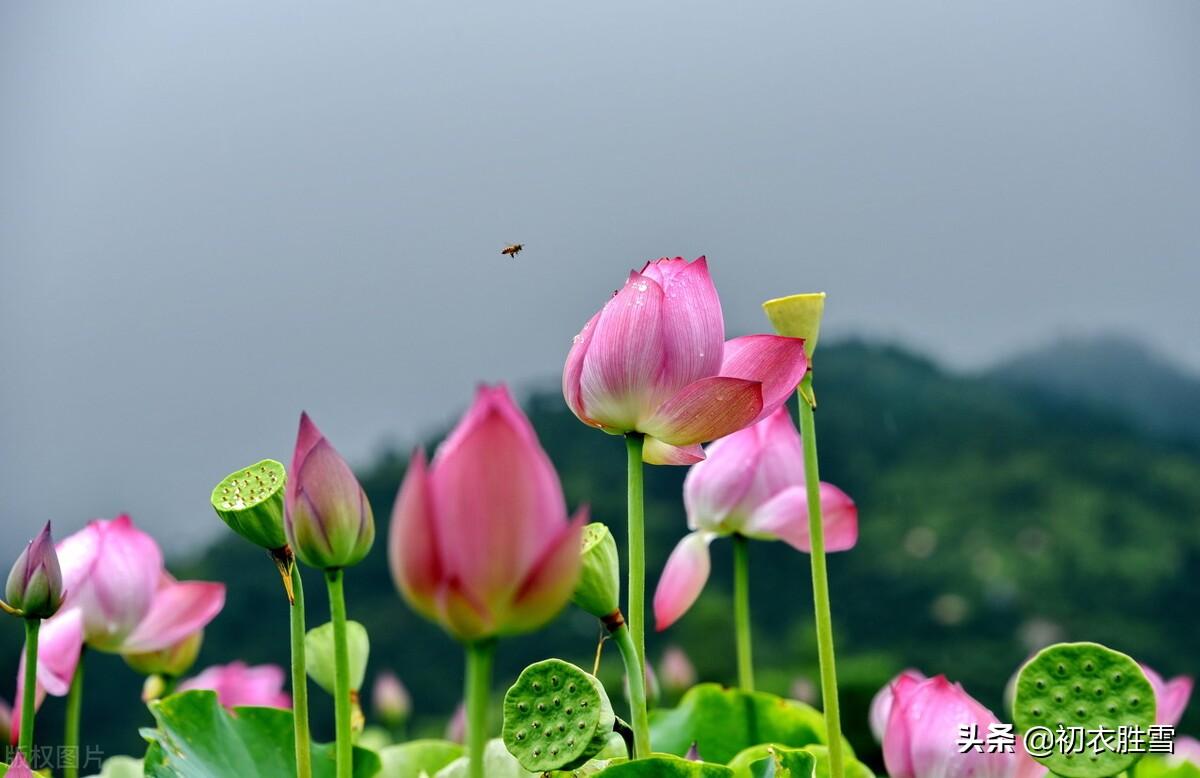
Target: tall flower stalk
<point>800,316</point>
<point>480,541</point>
<point>741,612</point>
<point>251,502</point>
<point>653,365</point>
<point>329,525</point>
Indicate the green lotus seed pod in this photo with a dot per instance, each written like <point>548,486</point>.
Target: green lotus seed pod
<point>556,717</point>
<point>1088,686</point>
<point>318,652</point>
<point>250,501</point>
<point>599,589</point>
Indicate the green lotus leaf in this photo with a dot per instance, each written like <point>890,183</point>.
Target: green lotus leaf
<point>197,738</point>
<point>409,760</point>
<point>742,763</point>
<point>497,763</point>
<point>1155,766</point>
<point>665,766</point>
<point>723,722</point>
<point>120,767</point>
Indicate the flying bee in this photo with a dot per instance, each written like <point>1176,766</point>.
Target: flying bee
<point>513,249</point>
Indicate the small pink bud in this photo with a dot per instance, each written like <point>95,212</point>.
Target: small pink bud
<point>19,768</point>
<point>391,699</point>
<point>328,519</point>
<point>35,583</point>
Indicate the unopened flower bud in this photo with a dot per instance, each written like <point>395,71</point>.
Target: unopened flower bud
<point>327,520</point>
<point>798,316</point>
<point>172,661</point>
<point>319,656</point>
<point>391,699</point>
<point>35,586</point>
<point>250,501</point>
<point>599,589</point>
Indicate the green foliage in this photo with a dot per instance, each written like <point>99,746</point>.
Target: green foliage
<point>1157,767</point>
<point>497,763</point>
<point>783,763</point>
<point>659,766</point>
<point>556,717</point>
<point>1084,685</point>
<point>742,763</point>
<point>722,722</point>
<point>319,660</point>
<point>197,738</point>
<point>120,767</point>
<point>409,760</point>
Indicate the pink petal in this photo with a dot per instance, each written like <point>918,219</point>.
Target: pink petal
<point>714,488</point>
<point>683,579</point>
<point>462,614</point>
<point>777,362</point>
<point>19,768</point>
<point>413,552</point>
<point>785,517</point>
<point>693,327</point>
<point>1187,749</point>
<point>329,506</point>
<point>77,554</point>
<point>178,610</point>
<point>551,582</point>
<point>239,685</point>
<point>881,703</point>
<point>496,498</point>
<point>782,462</point>
<point>116,595</point>
<point>1171,696</point>
<point>619,382</point>
<point>706,410</point>
<point>573,371</point>
<point>655,452</point>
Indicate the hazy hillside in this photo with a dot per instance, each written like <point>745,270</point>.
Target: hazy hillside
<point>1114,374</point>
<point>992,519</point>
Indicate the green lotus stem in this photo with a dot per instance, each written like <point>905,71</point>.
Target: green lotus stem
<point>637,547</point>
<point>299,679</point>
<point>820,581</point>
<point>741,611</point>
<point>637,691</point>
<point>74,716</point>
<point>480,656</point>
<point>25,742</point>
<point>341,663</point>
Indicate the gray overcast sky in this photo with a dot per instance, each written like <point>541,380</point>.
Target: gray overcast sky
<point>214,214</point>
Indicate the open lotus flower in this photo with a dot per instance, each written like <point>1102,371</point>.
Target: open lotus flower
<point>924,729</point>
<point>881,703</point>
<point>480,541</point>
<point>327,519</point>
<point>751,484</point>
<point>118,599</point>
<point>655,360</point>
<point>1172,696</point>
<point>238,684</point>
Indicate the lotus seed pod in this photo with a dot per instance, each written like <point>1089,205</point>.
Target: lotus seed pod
<point>1089,686</point>
<point>319,658</point>
<point>599,589</point>
<point>556,717</point>
<point>798,316</point>
<point>250,501</point>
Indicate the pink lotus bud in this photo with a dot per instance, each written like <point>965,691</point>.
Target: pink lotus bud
<point>751,483</point>
<point>480,541</point>
<point>1172,696</point>
<point>676,670</point>
<point>881,703</point>
<point>328,519</point>
<point>655,360</point>
<point>35,584</point>
<point>924,730</point>
<point>19,768</point>
<point>391,699</point>
<point>456,727</point>
<point>238,684</point>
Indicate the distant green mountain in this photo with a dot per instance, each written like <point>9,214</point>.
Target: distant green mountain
<point>993,518</point>
<point>1114,374</point>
